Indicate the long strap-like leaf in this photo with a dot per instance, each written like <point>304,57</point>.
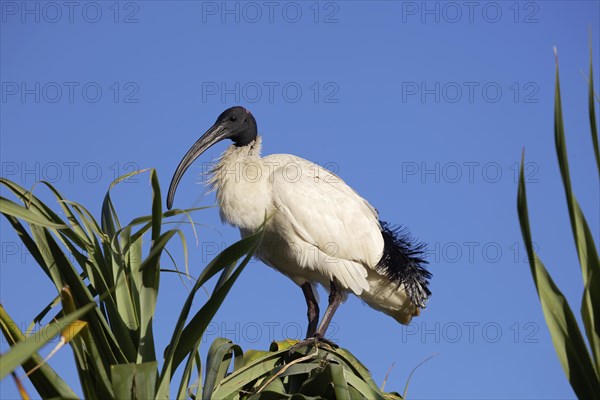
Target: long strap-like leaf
<point>584,241</point>
<point>23,350</point>
<point>566,337</point>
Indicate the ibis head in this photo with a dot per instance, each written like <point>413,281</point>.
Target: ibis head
<point>235,123</point>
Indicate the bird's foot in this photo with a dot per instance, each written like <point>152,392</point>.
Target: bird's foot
<point>316,340</point>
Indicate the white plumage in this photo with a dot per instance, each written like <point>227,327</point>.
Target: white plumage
<point>319,229</point>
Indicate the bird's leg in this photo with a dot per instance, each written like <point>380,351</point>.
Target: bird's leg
<point>335,299</point>
<point>313,309</point>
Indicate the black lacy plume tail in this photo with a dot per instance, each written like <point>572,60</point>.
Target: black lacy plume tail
<point>402,262</point>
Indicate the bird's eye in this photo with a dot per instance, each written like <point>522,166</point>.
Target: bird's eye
<point>232,118</point>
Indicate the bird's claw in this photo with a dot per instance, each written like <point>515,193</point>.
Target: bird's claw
<point>316,340</point>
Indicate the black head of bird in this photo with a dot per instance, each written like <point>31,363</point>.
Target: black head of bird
<point>235,123</point>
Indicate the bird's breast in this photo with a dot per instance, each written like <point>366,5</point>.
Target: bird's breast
<point>244,193</point>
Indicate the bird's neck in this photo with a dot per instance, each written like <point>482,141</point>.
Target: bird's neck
<point>238,175</point>
<point>233,163</point>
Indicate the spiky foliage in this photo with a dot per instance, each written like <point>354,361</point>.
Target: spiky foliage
<point>580,363</point>
<point>107,281</point>
<point>310,373</point>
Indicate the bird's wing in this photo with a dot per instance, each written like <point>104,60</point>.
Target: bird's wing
<point>328,214</point>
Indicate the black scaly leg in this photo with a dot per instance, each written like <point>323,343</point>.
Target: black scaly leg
<point>335,299</point>
<point>313,309</point>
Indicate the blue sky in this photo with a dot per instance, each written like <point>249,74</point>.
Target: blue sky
<point>422,107</point>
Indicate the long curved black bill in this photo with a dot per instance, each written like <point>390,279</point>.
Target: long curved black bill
<point>215,134</point>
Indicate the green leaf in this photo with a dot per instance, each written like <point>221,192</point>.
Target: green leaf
<point>32,203</point>
<point>591,320</point>
<point>275,389</point>
<point>91,387</point>
<point>591,295</point>
<point>199,322</point>
<point>126,304</point>
<point>338,379</point>
<point>184,384</point>
<point>252,355</point>
<point>218,362</point>
<point>246,374</point>
<point>134,381</point>
<point>584,242</point>
<point>592,111</point>
<point>110,256</point>
<point>23,350</point>
<point>185,340</point>
<point>10,208</point>
<point>300,369</point>
<point>156,205</point>
<point>77,234</point>
<point>366,391</point>
<point>29,244</point>
<point>344,357</point>
<point>566,337</point>
<point>109,217</point>
<point>45,380</point>
<point>38,318</point>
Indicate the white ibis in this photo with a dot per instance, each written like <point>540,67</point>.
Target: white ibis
<point>319,229</point>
